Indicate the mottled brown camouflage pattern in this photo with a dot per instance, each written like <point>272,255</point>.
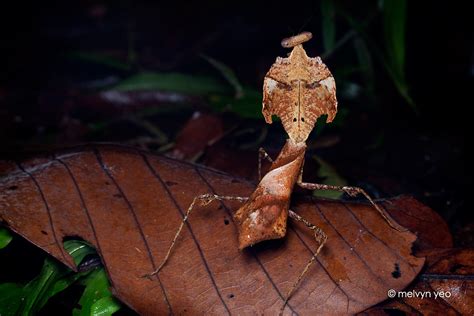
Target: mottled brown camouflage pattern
<point>299,89</point>
<point>264,215</point>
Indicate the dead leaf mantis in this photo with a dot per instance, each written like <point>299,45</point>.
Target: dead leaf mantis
<point>298,89</point>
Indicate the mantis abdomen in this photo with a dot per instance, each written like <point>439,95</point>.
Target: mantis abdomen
<point>264,215</point>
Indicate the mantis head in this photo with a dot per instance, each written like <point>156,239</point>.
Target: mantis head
<point>299,89</point>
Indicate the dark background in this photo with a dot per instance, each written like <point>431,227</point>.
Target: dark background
<point>49,98</point>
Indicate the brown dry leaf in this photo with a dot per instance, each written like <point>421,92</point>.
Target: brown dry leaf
<point>450,274</point>
<point>237,162</point>
<point>200,131</point>
<point>431,229</point>
<point>129,203</point>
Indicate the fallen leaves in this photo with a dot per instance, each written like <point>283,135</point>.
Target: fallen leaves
<point>445,287</point>
<point>201,130</point>
<point>128,205</point>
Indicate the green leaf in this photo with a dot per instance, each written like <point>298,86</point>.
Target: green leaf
<point>65,282</point>
<point>105,306</point>
<point>78,250</point>
<point>394,18</point>
<point>11,295</point>
<point>5,238</point>
<point>328,17</point>
<point>97,289</point>
<point>40,289</point>
<point>397,76</point>
<point>246,102</point>
<point>177,82</point>
<point>53,278</point>
<point>228,74</point>
<point>330,176</point>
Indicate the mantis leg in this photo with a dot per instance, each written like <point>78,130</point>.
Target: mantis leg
<point>206,199</point>
<point>321,239</point>
<point>352,191</point>
<point>262,154</point>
